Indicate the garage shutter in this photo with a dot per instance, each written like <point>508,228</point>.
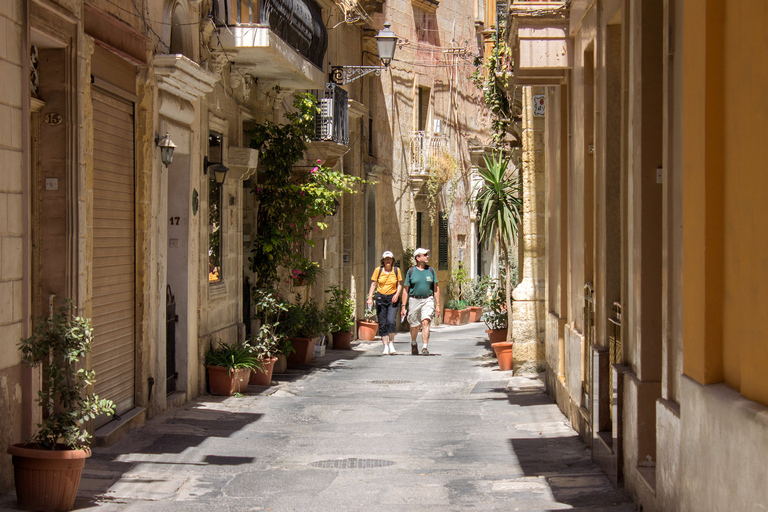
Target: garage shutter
<point>113,250</point>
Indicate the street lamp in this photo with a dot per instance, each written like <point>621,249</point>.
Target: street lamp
<point>386,40</point>
<point>219,170</point>
<point>166,148</point>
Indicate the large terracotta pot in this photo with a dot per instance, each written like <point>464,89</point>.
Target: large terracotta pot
<point>263,377</point>
<point>456,316</point>
<point>222,382</point>
<point>47,480</point>
<point>497,335</point>
<point>504,353</point>
<point>367,330</point>
<point>342,340</point>
<point>475,314</point>
<point>304,351</point>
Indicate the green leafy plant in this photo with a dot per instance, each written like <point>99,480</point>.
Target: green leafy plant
<point>232,357</point>
<point>339,310</point>
<point>478,291</point>
<point>291,204</point>
<point>58,344</point>
<point>456,304</point>
<point>496,316</point>
<point>314,320</point>
<point>302,320</point>
<point>457,286</point>
<point>270,308</point>
<point>499,206</point>
<point>370,315</point>
<point>306,272</point>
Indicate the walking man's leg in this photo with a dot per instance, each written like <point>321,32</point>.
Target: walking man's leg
<point>425,336</point>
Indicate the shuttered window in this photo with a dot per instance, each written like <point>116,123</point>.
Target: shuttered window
<point>113,250</point>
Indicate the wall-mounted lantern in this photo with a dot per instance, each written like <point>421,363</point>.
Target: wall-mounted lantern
<point>166,148</point>
<point>219,170</point>
<point>386,40</point>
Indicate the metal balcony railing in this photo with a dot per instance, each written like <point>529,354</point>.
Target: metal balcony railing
<point>427,149</point>
<point>589,340</point>
<point>332,121</point>
<point>297,22</point>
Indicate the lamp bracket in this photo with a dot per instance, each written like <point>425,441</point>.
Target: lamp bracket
<point>342,75</point>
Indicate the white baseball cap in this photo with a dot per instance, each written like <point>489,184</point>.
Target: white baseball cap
<point>420,251</point>
<point>387,254</point>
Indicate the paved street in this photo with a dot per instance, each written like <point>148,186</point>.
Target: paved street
<point>360,431</point>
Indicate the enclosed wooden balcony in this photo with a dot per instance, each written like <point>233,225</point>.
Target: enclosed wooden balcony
<point>540,43</point>
<point>282,41</point>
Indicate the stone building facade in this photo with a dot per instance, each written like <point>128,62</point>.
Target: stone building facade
<point>156,254</point>
<point>654,248</point>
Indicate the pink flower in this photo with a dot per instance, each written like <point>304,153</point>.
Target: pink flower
<point>291,224</point>
<point>319,161</point>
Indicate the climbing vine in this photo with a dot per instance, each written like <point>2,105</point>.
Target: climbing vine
<point>443,170</point>
<point>291,203</point>
<point>492,77</point>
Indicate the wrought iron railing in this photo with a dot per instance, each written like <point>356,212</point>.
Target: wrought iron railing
<point>615,351</point>
<point>297,22</point>
<point>332,120</point>
<point>427,149</point>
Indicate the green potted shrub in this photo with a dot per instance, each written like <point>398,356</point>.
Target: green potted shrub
<point>47,468</point>
<point>368,326</point>
<point>340,317</point>
<point>455,310</point>
<point>303,322</point>
<point>229,368</point>
<point>495,317</point>
<point>477,296</point>
<point>265,344</point>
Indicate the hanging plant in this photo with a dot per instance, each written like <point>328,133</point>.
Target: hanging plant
<point>443,170</point>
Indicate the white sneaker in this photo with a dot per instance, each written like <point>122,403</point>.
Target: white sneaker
<point>386,350</point>
<point>392,350</point>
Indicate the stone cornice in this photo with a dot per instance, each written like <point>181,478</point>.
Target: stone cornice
<point>180,76</point>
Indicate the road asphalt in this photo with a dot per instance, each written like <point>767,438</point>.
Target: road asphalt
<point>360,431</point>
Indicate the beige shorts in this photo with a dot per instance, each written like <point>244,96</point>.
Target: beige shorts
<point>420,309</point>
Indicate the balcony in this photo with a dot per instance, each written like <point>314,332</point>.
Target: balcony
<point>331,138</point>
<point>539,41</point>
<point>426,152</point>
<point>282,41</point>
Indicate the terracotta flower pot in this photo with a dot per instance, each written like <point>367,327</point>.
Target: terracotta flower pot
<point>456,316</point>
<point>222,382</point>
<point>342,340</point>
<point>497,335</point>
<point>367,330</point>
<point>504,353</point>
<point>304,351</point>
<point>47,480</point>
<point>475,314</point>
<point>263,377</point>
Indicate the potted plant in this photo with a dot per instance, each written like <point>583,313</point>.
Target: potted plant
<point>265,345</point>
<point>368,326</point>
<point>229,368</point>
<point>496,318</point>
<point>47,468</point>
<point>456,312</point>
<point>340,317</point>
<point>477,296</point>
<point>302,323</point>
<point>306,272</point>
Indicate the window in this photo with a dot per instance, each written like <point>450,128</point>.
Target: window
<point>214,211</point>
<point>442,243</point>
<point>370,136</point>
<point>423,107</point>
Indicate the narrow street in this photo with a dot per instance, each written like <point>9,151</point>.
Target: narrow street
<point>360,431</point>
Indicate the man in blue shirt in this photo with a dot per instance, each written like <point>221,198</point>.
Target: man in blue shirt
<point>422,295</point>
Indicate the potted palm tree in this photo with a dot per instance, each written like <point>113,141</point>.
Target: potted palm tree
<point>229,368</point>
<point>340,317</point>
<point>499,205</point>
<point>47,468</point>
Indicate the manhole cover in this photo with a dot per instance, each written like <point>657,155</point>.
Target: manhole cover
<point>351,463</point>
<point>389,381</point>
<point>490,386</point>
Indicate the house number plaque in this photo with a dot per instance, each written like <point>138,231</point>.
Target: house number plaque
<point>53,119</point>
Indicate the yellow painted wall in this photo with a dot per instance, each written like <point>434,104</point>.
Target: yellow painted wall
<point>725,185</point>
<point>745,330</point>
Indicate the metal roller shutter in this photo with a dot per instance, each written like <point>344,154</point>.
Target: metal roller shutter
<point>113,250</point>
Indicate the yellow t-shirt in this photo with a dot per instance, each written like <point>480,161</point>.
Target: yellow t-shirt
<point>387,281</point>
